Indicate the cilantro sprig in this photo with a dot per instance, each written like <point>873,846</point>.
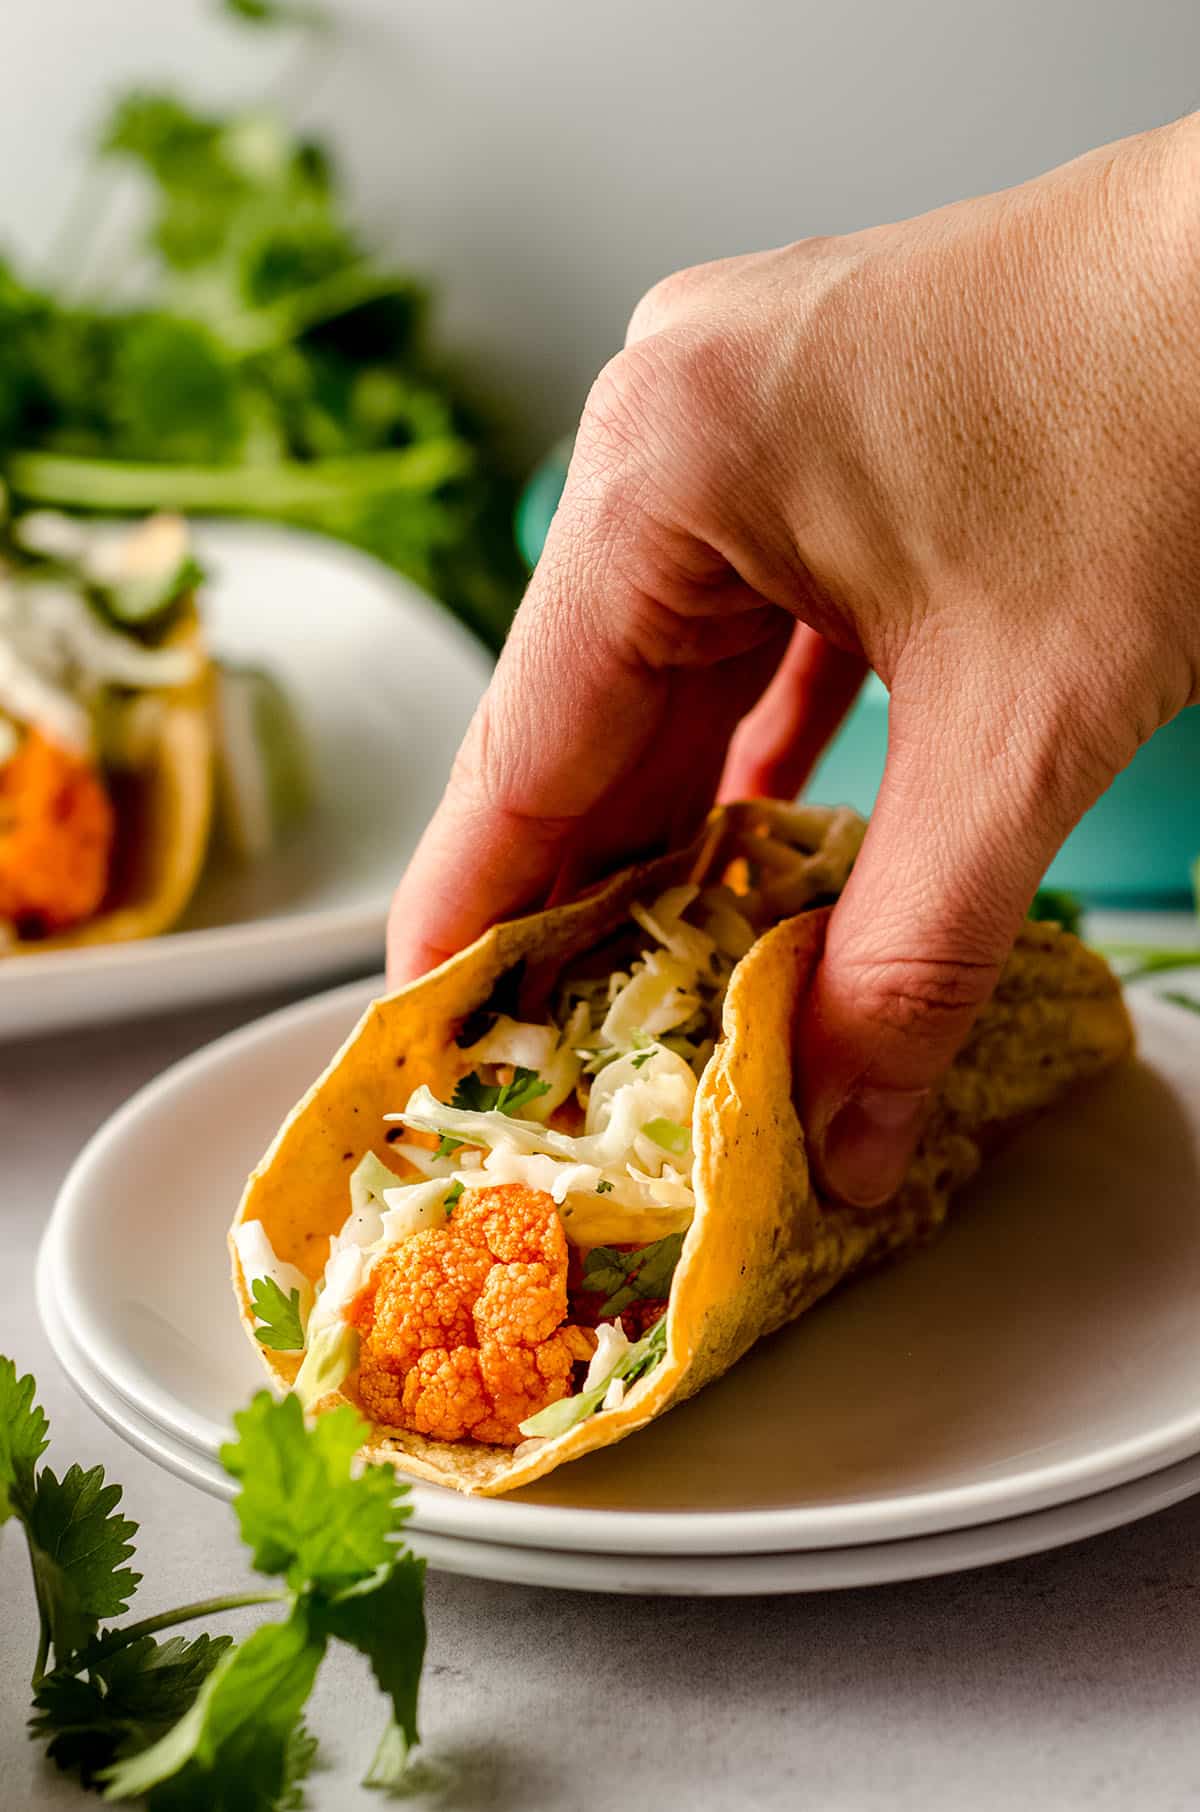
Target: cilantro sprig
<point>203,1722</point>
<point>473,1095</point>
<point>282,1326</point>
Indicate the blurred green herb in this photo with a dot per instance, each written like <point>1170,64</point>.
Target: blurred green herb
<point>204,1723</point>
<point>276,367</point>
<point>278,12</point>
<point>1134,961</point>
<point>1059,907</point>
<point>1178,999</point>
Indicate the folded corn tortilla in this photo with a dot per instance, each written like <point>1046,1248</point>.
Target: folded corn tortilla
<point>763,1245</point>
<point>163,806</point>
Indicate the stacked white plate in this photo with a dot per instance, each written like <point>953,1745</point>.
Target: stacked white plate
<point>1031,1379</point>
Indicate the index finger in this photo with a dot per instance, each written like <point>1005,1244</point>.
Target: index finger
<point>562,719</point>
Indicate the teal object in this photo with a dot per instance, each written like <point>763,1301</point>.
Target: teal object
<point>539,500</point>
<point>1134,848</point>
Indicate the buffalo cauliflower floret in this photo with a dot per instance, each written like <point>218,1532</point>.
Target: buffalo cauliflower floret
<point>56,835</point>
<point>519,1382</point>
<point>444,1394</point>
<point>461,1329</point>
<point>423,1297</point>
<point>515,1224</point>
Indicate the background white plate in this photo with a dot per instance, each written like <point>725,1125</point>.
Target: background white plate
<point>384,681</point>
<point>683,1575</point>
<point>1045,1350</point>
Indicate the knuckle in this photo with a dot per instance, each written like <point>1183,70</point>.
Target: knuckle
<point>657,401</point>
<point>927,997</point>
<point>489,779</point>
<point>646,433</point>
<point>618,412</point>
<point>664,301</point>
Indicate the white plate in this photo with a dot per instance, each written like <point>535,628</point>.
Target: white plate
<point>715,1575</point>
<point>1045,1350</point>
<point>385,682</point>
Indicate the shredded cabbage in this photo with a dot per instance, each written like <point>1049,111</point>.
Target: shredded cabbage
<point>630,1046</point>
<point>332,1355</point>
<point>56,655</point>
<point>426,1161</point>
<point>612,1344</point>
<point>655,999</point>
<point>634,1363</point>
<point>369,1182</point>
<point>513,1041</point>
<point>412,1208</point>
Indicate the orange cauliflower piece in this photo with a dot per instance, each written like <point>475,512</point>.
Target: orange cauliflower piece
<point>519,1382</point>
<point>517,1225</point>
<point>461,1332</point>
<point>424,1296</point>
<point>56,837</point>
<point>444,1395</point>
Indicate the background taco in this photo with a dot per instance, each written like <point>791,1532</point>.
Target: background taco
<point>618,1204</point>
<point>106,741</point>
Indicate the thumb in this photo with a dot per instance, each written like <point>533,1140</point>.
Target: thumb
<point>968,818</point>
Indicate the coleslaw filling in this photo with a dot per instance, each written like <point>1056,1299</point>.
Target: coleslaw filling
<point>594,1108</point>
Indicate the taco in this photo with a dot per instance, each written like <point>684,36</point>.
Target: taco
<point>106,744</point>
<point>559,1184</point>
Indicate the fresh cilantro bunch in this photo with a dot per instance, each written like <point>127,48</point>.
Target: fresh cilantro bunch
<point>274,366</point>
<point>204,1723</point>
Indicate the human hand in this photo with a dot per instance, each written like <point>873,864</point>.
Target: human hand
<point>963,450</point>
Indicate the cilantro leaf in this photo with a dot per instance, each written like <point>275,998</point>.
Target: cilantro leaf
<point>24,1433</point>
<point>473,1095</point>
<point>300,1510</point>
<point>77,1543</point>
<point>642,1275</point>
<point>450,1199</point>
<point>506,1097</point>
<point>283,1330</point>
<point>232,1751</point>
<point>106,1705</point>
<point>385,1620</point>
<point>604,1187</point>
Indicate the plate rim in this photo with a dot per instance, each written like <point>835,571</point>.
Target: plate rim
<point>439,1510</point>
<point>788,1572</point>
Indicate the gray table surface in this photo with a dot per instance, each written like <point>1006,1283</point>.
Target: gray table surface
<point>1069,1680</point>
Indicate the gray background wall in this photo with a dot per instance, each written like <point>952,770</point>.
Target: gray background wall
<point>547,159</point>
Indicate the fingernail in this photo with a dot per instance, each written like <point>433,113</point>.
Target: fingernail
<point>869,1143</point>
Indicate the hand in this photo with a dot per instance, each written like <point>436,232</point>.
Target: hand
<point>963,450</point>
